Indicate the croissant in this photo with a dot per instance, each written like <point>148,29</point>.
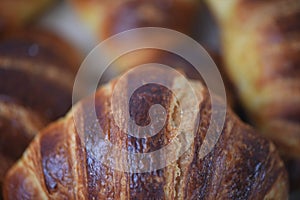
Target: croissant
<point>62,162</point>
<point>111,17</point>
<point>36,77</point>
<point>260,42</point>
<point>107,18</point>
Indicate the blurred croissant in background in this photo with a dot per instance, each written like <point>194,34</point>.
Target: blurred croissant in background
<point>37,69</point>
<point>107,18</point>
<point>261,47</point>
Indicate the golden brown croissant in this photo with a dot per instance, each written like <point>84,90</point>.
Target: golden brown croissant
<point>261,46</point>
<point>60,163</point>
<point>14,14</point>
<point>36,77</point>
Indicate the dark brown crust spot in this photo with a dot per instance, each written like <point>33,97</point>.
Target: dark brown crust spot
<point>55,157</point>
<point>101,177</point>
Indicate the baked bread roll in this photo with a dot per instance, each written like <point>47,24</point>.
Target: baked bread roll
<point>37,70</point>
<point>260,42</point>
<point>60,163</point>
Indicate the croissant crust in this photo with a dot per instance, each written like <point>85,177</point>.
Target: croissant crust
<point>57,164</point>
